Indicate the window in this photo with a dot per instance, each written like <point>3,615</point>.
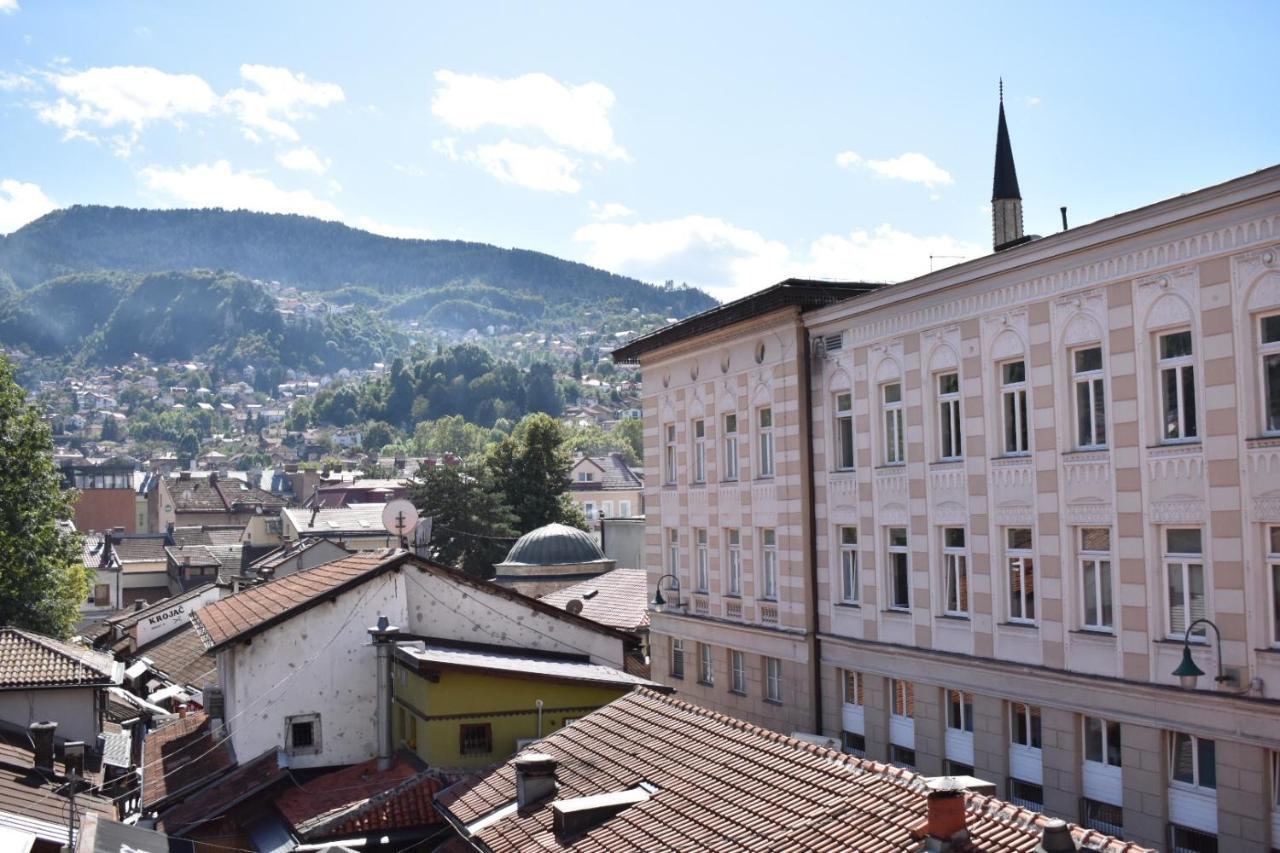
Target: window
<point>706,665</point>
<point>950,434</point>
<point>854,744</point>
<point>1177,386</point>
<point>699,451</point>
<point>1013,398</point>
<point>669,456</point>
<point>733,560</point>
<point>1270,352</point>
<point>960,711</point>
<point>702,558</point>
<point>844,432</point>
<point>677,658</point>
<point>1184,840</point>
<point>849,565</point>
<point>852,687</point>
<point>731,447</point>
<point>899,575</point>
<point>1026,794</point>
<point>894,440</point>
<point>1103,817</point>
<point>1184,569</point>
<point>1090,398</point>
<point>902,756</point>
<point>606,509</point>
<point>673,551</point>
<point>624,509</point>
<point>903,698</point>
<point>1273,559</point>
<point>475,739</point>
<point>302,734</point>
<point>773,679</point>
<point>585,476</point>
<point>589,510</point>
<point>955,567</point>
<point>769,563</point>
<point>1192,761</point>
<point>765,420</point>
<point>1102,741</point>
<point>1022,575</point>
<point>1024,725</point>
<point>101,594</point>
<point>737,673</point>
<point>956,768</point>
<point>1095,578</point>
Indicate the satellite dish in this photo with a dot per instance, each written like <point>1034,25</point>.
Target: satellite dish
<point>574,607</point>
<point>399,517</point>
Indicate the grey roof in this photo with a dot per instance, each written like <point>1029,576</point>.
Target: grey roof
<point>365,519</point>
<point>518,663</point>
<point>1005,184</point>
<point>554,545</point>
<point>619,599</point>
<point>615,474</point>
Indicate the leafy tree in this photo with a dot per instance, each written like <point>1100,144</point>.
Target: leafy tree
<point>110,429</point>
<point>530,468</point>
<point>42,577</point>
<point>593,441</point>
<point>472,526</point>
<point>378,434</point>
<point>450,434</point>
<point>631,431</point>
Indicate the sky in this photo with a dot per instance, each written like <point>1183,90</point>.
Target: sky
<point>726,145</point>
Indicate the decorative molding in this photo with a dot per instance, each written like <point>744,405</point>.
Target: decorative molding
<point>1187,511</point>
<point>1266,510</point>
<point>950,513</point>
<point>1090,512</point>
<point>1019,514</point>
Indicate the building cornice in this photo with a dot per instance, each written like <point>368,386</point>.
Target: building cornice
<point>767,322</point>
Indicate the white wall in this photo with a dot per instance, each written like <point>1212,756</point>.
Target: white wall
<point>71,709</point>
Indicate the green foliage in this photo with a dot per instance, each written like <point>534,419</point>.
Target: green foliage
<point>594,441</point>
<point>472,527</point>
<point>530,468</point>
<point>631,431</point>
<point>42,577</point>
<point>450,434</point>
<point>56,317</point>
<point>377,435</point>
<point>110,429</point>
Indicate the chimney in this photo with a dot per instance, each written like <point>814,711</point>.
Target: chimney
<point>535,779</point>
<point>140,604</point>
<point>215,705</point>
<point>42,742</point>
<point>945,822</point>
<point>384,636</point>
<point>1056,838</point>
<point>73,758</point>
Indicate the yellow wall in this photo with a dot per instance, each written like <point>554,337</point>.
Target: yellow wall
<point>471,698</point>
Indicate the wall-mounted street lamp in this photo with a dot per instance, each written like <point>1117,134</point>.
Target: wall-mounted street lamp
<point>658,600</point>
<point>1187,671</point>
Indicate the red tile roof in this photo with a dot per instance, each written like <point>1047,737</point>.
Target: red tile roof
<point>215,800</point>
<point>28,659</point>
<point>31,801</point>
<point>181,755</point>
<point>619,599</point>
<point>182,658</point>
<point>723,784</point>
<point>360,800</point>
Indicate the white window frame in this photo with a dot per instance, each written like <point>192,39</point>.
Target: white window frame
<point>1031,720</point>
<point>1197,772</point>
<point>955,569</point>
<point>737,672</point>
<point>904,550</point>
<point>851,688</point>
<point>1184,431</point>
<point>733,560</point>
<point>1270,396</point>
<point>963,709</point>
<point>589,510</point>
<point>1090,414</point>
<point>773,680</point>
<point>1183,564</point>
<point>1098,564</point>
<point>1017,443</point>
<point>847,542</point>
<point>669,455</point>
<point>313,720</point>
<point>730,447</point>
<point>1105,735</point>
<point>673,551</point>
<point>606,510</point>
<point>677,657</point>
<point>699,432</point>
<point>769,564</point>
<point>1272,534</point>
<point>950,418</point>
<point>895,442</point>
<point>843,446</point>
<point>702,560</point>
<point>1021,605</point>
<point>764,424</point>
<point>706,665</point>
<point>624,509</point>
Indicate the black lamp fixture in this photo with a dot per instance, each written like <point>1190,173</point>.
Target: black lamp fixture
<point>1187,671</point>
<point>658,600</point>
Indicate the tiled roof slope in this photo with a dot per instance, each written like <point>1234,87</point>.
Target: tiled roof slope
<point>28,659</point>
<point>249,609</point>
<point>215,800</point>
<point>182,657</point>
<point>362,518</point>
<point>214,494</point>
<point>727,785</point>
<point>33,802</point>
<point>181,755</point>
<point>619,599</point>
<point>361,800</point>
<point>615,474</point>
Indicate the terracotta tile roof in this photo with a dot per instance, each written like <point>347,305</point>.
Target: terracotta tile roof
<point>360,800</point>
<point>722,784</point>
<point>28,659</point>
<point>182,658</point>
<point>213,494</point>
<point>261,606</point>
<point>38,804</point>
<point>93,552</point>
<point>211,802</point>
<point>179,756</point>
<point>619,599</point>
<point>140,548</point>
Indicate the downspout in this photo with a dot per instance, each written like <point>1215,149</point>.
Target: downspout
<point>538,702</point>
<point>806,471</point>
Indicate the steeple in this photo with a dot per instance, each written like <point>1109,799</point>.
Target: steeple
<point>1006,198</point>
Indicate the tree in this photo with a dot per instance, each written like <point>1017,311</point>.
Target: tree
<point>530,468</point>
<point>110,429</point>
<point>631,431</point>
<point>43,579</point>
<point>378,434</point>
<point>593,441</point>
<point>472,526</point>
<point>450,434</point>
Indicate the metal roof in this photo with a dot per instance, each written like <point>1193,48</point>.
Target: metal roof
<point>554,545</point>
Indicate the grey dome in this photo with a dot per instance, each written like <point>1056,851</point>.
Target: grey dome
<point>554,545</point>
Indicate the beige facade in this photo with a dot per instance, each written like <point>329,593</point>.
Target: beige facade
<point>1030,473</point>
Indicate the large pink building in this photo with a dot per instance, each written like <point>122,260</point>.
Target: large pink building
<point>964,522</point>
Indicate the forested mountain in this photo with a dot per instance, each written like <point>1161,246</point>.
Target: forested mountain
<point>440,279</point>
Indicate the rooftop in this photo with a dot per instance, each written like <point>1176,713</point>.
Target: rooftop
<point>179,756</point>
<point>210,493</point>
<point>619,599</point>
<point>363,519</point>
<point>181,657</point>
<point>433,654</point>
<point>28,659</point>
<point>722,784</point>
<point>613,474</point>
<point>227,791</point>
<point>36,803</point>
<point>554,545</point>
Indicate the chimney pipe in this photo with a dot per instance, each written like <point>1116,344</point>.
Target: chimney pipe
<point>535,779</point>
<point>1064,217</point>
<point>945,814</point>
<point>1056,838</point>
<point>216,707</point>
<point>73,758</point>
<point>42,742</point>
<point>384,635</point>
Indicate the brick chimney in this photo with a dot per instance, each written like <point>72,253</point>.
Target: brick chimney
<point>42,742</point>
<point>945,826</point>
<point>535,779</point>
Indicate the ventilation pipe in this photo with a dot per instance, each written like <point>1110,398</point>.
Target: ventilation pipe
<point>535,779</point>
<point>384,636</point>
<point>42,743</point>
<point>1056,838</point>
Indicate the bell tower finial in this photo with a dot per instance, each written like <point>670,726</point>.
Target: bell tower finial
<point>1006,197</point>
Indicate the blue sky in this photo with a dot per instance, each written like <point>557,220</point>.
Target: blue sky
<point>726,145</point>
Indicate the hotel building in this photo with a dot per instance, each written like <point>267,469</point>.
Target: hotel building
<point>964,522</point>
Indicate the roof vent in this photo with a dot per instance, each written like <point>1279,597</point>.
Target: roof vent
<point>574,606</point>
<point>42,744</point>
<point>582,814</point>
<point>73,758</point>
<point>1056,838</point>
<point>535,779</point>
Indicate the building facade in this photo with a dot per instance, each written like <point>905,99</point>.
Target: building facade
<point>972,516</point>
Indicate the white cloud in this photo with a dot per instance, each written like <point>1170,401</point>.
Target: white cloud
<point>282,96</point>
<point>14,82</point>
<point>730,261</point>
<point>125,95</point>
<point>21,202</point>
<point>574,117</point>
<point>1033,101</point>
<point>303,159</point>
<point>8,7</point>
<point>608,210</point>
<point>536,168</point>
<point>404,232</point>
<point>911,166</point>
<point>218,185</point>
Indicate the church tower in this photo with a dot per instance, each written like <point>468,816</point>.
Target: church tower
<point>1006,199</point>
